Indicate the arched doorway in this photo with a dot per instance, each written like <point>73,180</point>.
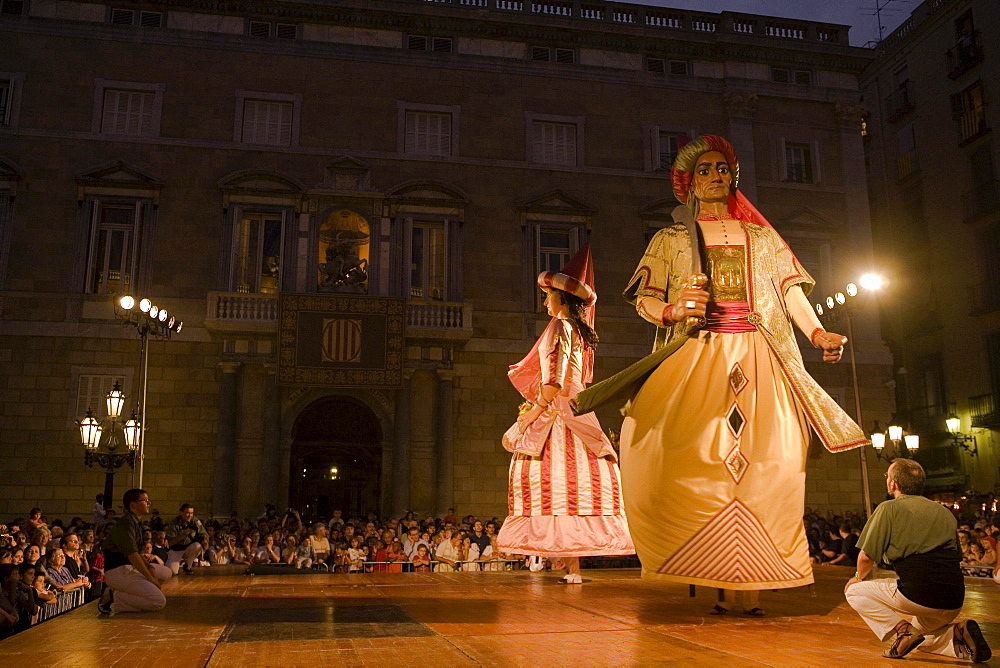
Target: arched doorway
<point>336,459</point>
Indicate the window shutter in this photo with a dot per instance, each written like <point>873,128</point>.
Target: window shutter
<point>565,56</point>
<point>780,75</point>
<point>441,44</point>
<point>782,160</point>
<point>817,163</point>
<point>286,31</point>
<point>284,137</point>
<point>260,29</point>
<point>957,105</point>
<point>150,19</point>
<point>453,231</point>
<point>91,393</point>
<point>122,17</point>
<point>416,42</point>
<point>656,65</point>
<point>540,53</point>
<point>803,78</point>
<point>14,7</point>
<point>679,68</point>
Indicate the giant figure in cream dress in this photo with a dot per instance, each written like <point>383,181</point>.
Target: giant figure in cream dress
<point>714,443</point>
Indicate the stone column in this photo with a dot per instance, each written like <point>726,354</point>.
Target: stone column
<point>224,478</point>
<point>445,442</point>
<point>386,481</point>
<point>740,106</point>
<point>270,465</point>
<point>423,430</point>
<point>401,450</point>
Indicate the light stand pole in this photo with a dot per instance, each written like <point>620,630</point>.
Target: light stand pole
<point>147,319</point>
<point>836,305</point>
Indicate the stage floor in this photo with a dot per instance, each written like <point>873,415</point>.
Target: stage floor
<point>220,618</point>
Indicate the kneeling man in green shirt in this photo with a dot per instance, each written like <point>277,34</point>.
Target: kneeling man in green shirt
<point>919,538</point>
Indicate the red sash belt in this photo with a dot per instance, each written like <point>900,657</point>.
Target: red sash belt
<point>728,318</point>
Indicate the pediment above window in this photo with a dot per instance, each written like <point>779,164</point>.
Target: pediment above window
<point>118,178</point>
<point>557,201</point>
<point>257,186</point>
<point>557,206</point>
<point>660,211</point>
<point>805,220</point>
<point>347,173</point>
<point>430,192</point>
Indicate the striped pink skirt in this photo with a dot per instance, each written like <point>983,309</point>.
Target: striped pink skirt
<point>565,502</point>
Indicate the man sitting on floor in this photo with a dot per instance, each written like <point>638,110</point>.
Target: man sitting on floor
<point>132,585</point>
<point>918,537</point>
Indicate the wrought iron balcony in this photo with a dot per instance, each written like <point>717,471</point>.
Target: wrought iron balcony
<point>966,54</point>
<point>985,410</point>
<point>900,102</point>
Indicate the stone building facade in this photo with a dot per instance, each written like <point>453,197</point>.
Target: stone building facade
<point>442,153</point>
<point>935,200</point>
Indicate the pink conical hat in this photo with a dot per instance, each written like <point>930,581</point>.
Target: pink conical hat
<point>576,278</point>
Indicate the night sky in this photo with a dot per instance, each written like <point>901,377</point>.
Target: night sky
<point>859,14</point>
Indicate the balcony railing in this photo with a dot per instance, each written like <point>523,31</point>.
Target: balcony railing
<point>972,124</point>
<point>436,319</point>
<point>965,55</point>
<point>900,102</point>
<point>982,200</point>
<point>985,297</point>
<point>628,14</point>
<point>253,312</point>
<point>985,410</point>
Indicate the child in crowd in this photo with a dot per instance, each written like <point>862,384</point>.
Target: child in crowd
<point>356,556</point>
<point>305,555</point>
<point>341,558</point>
<point>422,560</point>
<point>149,555</point>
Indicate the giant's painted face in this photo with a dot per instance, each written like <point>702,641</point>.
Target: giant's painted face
<point>712,179</point>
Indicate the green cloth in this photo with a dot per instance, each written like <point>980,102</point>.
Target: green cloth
<point>624,385</point>
<point>908,525</point>
<point>125,537</point>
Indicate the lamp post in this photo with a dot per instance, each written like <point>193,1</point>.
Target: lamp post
<point>147,319</point>
<point>954,425</point>
<point>840,303</point>
<point>902,443</point>
<point>111,447</point>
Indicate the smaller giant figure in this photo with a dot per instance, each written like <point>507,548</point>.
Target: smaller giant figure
<point>565,497</point>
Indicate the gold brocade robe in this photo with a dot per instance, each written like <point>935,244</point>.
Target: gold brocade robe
<point>772,269</point>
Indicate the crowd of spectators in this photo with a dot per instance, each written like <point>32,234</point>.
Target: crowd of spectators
<point>833,540</point>
<point>42,562</point>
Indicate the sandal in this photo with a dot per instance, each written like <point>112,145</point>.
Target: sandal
<point>754,612</point>
<point>717,610</point>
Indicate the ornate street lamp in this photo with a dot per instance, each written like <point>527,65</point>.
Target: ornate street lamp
<point>954,425</point>
<point>901,443</point>
<point>111,446</point>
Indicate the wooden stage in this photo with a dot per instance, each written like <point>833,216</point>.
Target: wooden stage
<point>219,617</point>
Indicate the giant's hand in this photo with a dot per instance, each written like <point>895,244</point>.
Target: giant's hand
<point>832,345</point>
<point>692,303</point>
